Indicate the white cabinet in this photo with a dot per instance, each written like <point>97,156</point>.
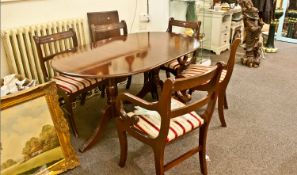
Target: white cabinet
<point>216,26</point>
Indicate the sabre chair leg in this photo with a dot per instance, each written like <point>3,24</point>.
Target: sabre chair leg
<point>202,152</point>
<point>123,146</point>
<point>68,106</point>
<point>221,109</point>
<point>225,101</point>
<point>159,160</point>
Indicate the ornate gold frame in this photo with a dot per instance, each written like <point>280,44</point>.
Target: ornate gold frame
<point>3,1</point>
<point>49,91</point>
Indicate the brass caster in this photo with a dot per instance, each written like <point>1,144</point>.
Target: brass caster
<point>270,50</point>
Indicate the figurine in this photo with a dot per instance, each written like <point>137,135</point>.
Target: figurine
<point>253,25</point>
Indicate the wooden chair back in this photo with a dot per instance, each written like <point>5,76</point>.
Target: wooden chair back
<point>195,26</point>
<point>98,30</point>
<point>103,18</point>
<point>185,60</point>
<point>67,38</point>
<point>207,81</point>
<point>231,61</point>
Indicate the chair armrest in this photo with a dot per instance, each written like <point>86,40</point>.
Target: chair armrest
<point>137,101</point>
<point>132,120</point>
<point>134,100</point>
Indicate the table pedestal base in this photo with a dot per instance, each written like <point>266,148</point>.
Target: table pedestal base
<point>110,111</point>
<point>152,84</point>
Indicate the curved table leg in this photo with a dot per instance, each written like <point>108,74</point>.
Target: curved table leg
<point>110,111</point>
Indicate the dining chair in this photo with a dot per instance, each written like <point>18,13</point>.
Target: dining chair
<point>166,120</point>
<point>103,18</point>
<point>69,87</point>
<point>176,66</point>
<point>197,69</point>
<point>107,18</point>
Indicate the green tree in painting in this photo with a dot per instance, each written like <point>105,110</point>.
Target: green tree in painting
<point>32,148</point>
<point>48,138</point>
<point>7,164</point>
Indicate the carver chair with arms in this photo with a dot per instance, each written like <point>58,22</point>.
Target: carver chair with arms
<point>176,66</point>
<point>108,25</point>
<point>197,69</point>
<point>68,87</point>
<point>165,121</point>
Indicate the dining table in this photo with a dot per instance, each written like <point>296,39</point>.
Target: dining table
<point>116,58</point>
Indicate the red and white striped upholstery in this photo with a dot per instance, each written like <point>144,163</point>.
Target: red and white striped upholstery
<point>150,121</point>
<point>196,69</point>
<point>73,84</point>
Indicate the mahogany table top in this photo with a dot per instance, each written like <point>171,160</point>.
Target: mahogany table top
<point>124,55</point>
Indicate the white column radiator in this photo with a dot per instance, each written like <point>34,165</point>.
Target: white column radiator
<point>20,50</point>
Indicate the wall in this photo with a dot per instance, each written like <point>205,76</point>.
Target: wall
<point>27,12</point>
<point>178,10</point>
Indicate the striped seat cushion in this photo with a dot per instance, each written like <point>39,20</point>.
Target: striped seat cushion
<point>150,121</point>
<point>73,84</point>
<point>196,69</point>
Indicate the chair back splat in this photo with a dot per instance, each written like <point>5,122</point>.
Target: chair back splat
<point>103,18</point>
<point>195,26</point>
<point>44,55</point>
<point>99,30</point>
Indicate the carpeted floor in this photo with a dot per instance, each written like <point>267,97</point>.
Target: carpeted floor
<point>261,136</point>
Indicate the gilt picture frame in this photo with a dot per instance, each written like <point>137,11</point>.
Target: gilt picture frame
<point>35,136</point>
<point>9,0</point>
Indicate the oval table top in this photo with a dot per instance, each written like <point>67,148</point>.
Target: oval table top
<point>124,55</point>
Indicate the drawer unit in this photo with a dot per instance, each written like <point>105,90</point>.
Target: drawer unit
<point>216,26</point>
<point>224,39</point>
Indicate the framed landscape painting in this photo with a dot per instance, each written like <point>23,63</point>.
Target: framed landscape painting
<point>34,133</point>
